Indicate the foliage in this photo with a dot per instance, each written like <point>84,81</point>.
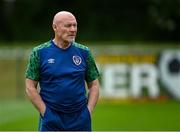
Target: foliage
<point>98,20</point>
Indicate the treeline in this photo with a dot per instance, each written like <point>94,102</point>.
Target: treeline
<point>30,20</point>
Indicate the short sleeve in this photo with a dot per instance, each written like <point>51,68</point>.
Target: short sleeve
<point>92,72</point>
<point>32,71</point>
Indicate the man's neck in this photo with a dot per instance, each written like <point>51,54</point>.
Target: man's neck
<point>62,45</point>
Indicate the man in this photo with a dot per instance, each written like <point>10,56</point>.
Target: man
<point>61,67</point>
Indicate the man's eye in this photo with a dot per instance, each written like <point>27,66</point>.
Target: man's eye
<point>68,25</point>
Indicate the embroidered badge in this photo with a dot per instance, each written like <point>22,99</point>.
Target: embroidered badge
<point>77,60</point>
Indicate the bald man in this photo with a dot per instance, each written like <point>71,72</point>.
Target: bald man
<point>62,67</point>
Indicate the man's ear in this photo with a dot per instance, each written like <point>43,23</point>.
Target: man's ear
<point>54,27</point>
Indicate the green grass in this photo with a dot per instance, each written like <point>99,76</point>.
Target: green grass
<point>137,116</point>
<point>18,115</point>
<point>165,116</point>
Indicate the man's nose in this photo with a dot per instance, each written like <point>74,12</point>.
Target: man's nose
<point>73,28</point>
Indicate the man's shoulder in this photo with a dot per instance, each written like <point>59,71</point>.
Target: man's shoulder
<point>81,46</point>
<point>42,46</point>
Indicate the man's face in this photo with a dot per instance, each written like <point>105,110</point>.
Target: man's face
<point>66,29</point>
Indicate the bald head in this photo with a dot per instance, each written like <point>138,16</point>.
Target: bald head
<point>62,15</point>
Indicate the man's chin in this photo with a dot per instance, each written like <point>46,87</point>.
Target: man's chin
<point>71,40</point>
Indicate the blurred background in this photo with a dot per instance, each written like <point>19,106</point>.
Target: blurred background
<point>136,47</point>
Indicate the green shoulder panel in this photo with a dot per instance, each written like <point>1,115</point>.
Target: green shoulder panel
<point>33,67</point>
<point>92,72</point>
<point>80,46</point>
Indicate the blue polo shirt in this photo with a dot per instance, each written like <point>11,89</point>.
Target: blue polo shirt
<point>62,74</point>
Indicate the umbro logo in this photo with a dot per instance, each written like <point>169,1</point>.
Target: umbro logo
<point>51,61</point>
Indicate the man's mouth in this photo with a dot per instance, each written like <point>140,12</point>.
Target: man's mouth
<point>72,35</point>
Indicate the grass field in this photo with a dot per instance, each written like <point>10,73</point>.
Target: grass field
<point>129,116</point>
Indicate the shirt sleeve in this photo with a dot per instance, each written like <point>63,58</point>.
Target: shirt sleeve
<point>33,67</point>
<point>92,72</point>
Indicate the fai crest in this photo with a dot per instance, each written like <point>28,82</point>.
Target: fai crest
<point>77,60</point>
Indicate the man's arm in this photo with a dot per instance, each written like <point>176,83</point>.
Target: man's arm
<point>33,95</point>
<point>93,94</point>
